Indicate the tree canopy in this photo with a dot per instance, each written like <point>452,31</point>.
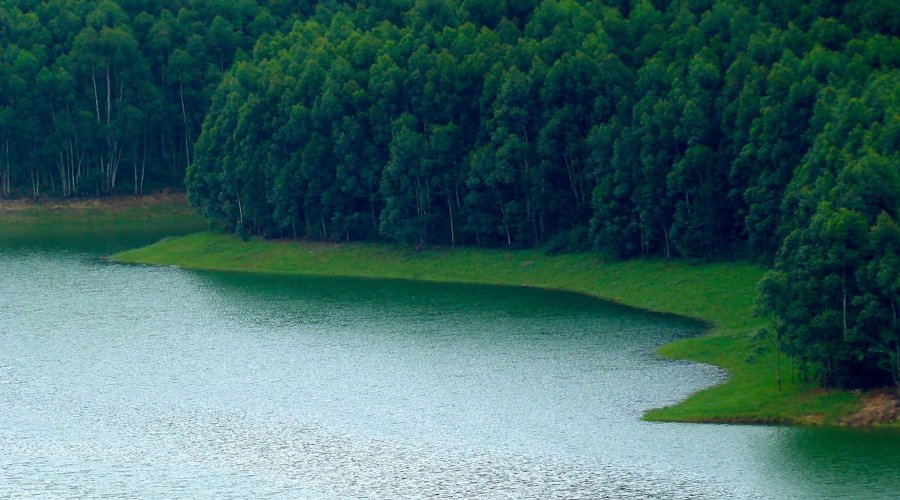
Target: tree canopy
<point>99,97</point>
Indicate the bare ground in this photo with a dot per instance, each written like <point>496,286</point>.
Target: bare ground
<point>124,201</point>
<point>879,407</point>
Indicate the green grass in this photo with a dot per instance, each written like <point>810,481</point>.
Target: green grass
<point>720,294</point>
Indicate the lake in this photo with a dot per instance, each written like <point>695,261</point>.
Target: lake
<point>131,381</point>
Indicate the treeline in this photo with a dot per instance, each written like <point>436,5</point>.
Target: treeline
<point>646,129</point>
<point>98,97</point>
<point>701,128</point>
<point>693,128</point>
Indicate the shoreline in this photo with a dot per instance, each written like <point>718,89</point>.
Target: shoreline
<point>108,204</point>
<point>719,295</point>
<point>748,396</point>
<point>166,211</point>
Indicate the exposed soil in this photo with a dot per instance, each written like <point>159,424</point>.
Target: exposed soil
<point>881,407</point>
<point>53,204</point>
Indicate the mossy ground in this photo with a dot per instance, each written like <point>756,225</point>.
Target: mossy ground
<point>720,294</point>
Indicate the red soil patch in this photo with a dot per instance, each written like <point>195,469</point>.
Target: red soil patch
<point>881,407</point>
<point>53,204</point>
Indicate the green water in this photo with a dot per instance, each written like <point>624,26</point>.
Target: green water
<point>133,381</point>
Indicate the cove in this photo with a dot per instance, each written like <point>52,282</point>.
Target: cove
<point>142,381</point>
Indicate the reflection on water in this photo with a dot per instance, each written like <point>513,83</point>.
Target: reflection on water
<point>159,382</point>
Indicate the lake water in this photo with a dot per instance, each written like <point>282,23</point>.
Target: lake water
<point>131,381</point>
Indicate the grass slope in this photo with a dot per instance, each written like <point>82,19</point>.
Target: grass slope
<point>720,294</point>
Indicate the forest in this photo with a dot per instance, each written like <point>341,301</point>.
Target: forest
<point>709,129</point>
<point>105,97</point>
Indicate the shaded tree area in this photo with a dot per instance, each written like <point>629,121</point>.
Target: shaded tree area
<point>102,97</point>
<point>835,285</point>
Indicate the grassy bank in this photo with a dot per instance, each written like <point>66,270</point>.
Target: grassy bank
<point>123,214</point>
<point>720,294</point>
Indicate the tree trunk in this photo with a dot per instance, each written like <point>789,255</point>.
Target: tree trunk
<point>63,173</point>
<point>108,96</point>
<point>134,166</point>
<point>4,178</point>
<point>35,183</point>
<point>374,220</point>
<point>452,230</point>
<point>666,239</point>
<point>418,202</point>
<point>140,188</point>
<point>844,299</point>
<point>505,225</point>
<point>96,94</point>
<point>187,153</point>
<point>571,172</point>
<point>644,245</point>
<point>240,209</point>
<point>426,203</point>
<point>112,172</point>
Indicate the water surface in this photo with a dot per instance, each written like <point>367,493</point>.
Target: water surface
<point>137,381</point>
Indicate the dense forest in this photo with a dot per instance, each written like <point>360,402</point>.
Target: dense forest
<point>99,97</point>
<point>702,128</point>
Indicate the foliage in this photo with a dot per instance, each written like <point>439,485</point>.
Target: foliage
<point>100,97</point>
<point>834,288</point>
